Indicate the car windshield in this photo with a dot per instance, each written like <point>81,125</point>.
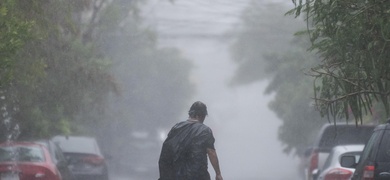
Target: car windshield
<point>21,154</point>
<point>384,150</point>
<point>77,145</point>
<point>344,135</point>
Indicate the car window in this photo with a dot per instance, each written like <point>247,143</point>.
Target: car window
<point>58,153</point>
<point>328,160</point>
<point>23,154</point>
<point>357,157</point>
<point>356,154</point>
<point>384,149</point>
<point>369,146</point>
<point>333,136</point>
<point>78,145</point>
<point>6,154</point>
<point>46,144</point>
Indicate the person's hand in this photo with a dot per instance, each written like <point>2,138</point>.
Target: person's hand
<point>218,177</point>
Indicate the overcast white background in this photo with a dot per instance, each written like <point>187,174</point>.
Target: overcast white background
<point>244,127</point>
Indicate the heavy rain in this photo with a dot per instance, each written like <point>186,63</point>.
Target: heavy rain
<point>239,116</point>
<point>96,86</point>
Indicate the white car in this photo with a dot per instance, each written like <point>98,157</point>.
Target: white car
<point>332,170</point>
<point>331,136</point>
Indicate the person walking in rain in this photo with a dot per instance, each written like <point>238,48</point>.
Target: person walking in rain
<point>184,152</point>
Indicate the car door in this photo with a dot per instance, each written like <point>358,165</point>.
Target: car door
<point>368,155</point>
<point>382,162</point>
<point>62,163</point>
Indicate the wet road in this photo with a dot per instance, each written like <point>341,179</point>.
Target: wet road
<point>282,176</point>
<point>263,178</point>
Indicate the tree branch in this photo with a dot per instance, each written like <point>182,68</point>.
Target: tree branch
<point>352,94</point>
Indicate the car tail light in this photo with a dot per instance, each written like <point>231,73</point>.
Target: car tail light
<point>368,173</point>
<point>338,174</point>
<point>313,161</point>
<point>96,160</point>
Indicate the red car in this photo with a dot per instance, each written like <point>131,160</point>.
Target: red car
<point>26,161</point>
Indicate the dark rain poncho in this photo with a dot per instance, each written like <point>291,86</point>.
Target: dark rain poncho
<point>184,152</point>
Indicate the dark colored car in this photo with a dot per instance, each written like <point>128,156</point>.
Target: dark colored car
<point>27,161</point>
<point>331,136</point>
<point>58,158</point>
<point>84,156</point>
<point>374,162</point>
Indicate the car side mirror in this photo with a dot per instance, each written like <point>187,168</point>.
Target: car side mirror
<point>348,161</point>
<point>315,173</point>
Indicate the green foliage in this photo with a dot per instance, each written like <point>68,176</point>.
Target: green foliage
<point>59,75</point>
<point>14,33</point>
<point>352,39</point>
<point>87,67</point>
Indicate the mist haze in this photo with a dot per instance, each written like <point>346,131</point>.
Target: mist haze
<point>119,74</point>
<point>244,127</point>
<point>124,72</point>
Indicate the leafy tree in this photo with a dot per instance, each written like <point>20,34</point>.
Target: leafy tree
<point>60,73</point>
<point>351,38</point>
<point>80,56</point>
<point>15,33</point>
<point>86,67</point>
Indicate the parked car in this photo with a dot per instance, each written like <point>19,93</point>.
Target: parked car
<point>84,156</point>
<point>332,135</point>
<point>58,158</point>
<point>27,161</point>
<point>374,163</point>
<point>332,169</point>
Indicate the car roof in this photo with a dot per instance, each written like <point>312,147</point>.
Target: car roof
<point>332,135</point>
<point>349,148</point>
<point>42,141</point>
<point>383,126</point>
<point>328,125</point>
<point>17,143</point>
<point>77,144</point>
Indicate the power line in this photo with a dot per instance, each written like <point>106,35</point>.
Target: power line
<point>197,36</point>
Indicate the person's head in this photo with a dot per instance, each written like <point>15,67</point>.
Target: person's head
<point>198,111</point>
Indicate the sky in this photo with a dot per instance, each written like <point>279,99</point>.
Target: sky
<point>244,128</point>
